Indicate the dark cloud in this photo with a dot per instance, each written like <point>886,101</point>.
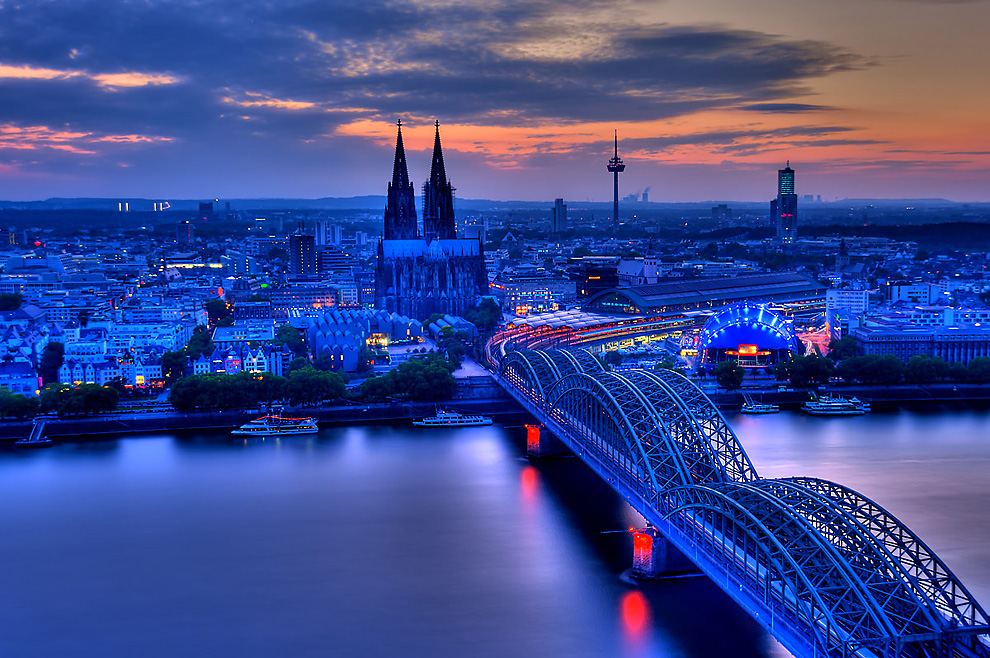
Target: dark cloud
<point>473,62</point>
<point>729,139</point>
<point>784,108</point>
<point>279,76</point>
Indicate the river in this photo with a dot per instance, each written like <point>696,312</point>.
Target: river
<point>391,541</point>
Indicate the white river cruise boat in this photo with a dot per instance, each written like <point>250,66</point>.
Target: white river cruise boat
<point>835,405</point>
<point>277,425</point>
<point>452,419</point>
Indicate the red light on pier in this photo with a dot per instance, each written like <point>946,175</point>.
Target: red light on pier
<point>533,438</point>
<point>643,546</point>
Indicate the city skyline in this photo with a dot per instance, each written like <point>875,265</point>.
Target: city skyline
<point>300,101</point>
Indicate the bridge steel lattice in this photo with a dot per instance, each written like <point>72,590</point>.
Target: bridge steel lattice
<point>829,572</point>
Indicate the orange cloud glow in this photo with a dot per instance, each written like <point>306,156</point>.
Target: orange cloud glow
<point>29,138</point>
<point>263,100</point>
<point>108,81</point>
<point>133,79</point>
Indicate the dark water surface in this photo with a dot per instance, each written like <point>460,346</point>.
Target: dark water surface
<point>390,541</point>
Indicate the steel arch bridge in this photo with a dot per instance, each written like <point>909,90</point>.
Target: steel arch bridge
<point>828,571</point>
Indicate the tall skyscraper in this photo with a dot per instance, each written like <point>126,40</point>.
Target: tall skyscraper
<point>302,254</point>
<point>558,221</point>
<point>438,198</point>
<point>783,209</point>
<point>616,166</point>
<point>400,206</point>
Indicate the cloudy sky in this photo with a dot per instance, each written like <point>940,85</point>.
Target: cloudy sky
<point>185,99</point>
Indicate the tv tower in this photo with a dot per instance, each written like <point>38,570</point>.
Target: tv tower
<point>616,166</point>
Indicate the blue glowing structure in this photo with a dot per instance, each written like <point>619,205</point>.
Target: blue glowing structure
<point>748,333</point>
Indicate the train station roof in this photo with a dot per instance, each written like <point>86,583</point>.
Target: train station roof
<point>699,293</point>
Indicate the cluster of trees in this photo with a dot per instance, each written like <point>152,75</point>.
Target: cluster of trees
<point>455,344</point>
<point>79,400</point>
<point>15,405</point>
<point>429,378</point>
<point>51,361</point>
<point>804,371</point>
<point>10,301</point>
<point>174,363</point>
<point>485,316</point>
<point>219,312</point>
<point>289,335</point>
<point>919,369</point>
<point>304,386</point>
<point>729,376</point>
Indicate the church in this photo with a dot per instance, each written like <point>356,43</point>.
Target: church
<point>421,273</point>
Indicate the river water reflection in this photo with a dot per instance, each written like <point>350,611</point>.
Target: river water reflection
<point>391,541</point>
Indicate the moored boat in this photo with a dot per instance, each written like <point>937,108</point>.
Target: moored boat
<point>834,405</point>
<point>277,425</point>
<point>446,418</point>
<point>750,406</point>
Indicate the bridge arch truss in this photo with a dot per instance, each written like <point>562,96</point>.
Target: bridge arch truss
<point>828,570</point>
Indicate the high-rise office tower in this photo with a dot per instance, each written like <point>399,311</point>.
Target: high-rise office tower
<point>783,209</point>
<point>302,254</point>
<point>438,198</point>
<point>616,167</point>
<point>558,221</point>
<point>400,207</point>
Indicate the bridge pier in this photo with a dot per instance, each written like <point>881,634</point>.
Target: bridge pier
<point>655,557</point>
<point>541,443</point>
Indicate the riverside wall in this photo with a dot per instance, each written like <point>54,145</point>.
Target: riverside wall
<point>481,395</point>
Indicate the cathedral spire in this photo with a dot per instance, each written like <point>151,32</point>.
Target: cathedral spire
<point>438,174</point>
<point>400,173</point>
<point>400,207</point>
<point>438,198</point>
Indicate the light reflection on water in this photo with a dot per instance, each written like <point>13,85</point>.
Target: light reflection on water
<point>383,541</point>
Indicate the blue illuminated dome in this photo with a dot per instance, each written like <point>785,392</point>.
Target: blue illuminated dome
<point>749,334</point>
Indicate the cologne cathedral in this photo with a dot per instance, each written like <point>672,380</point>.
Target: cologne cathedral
<point>419,274</point>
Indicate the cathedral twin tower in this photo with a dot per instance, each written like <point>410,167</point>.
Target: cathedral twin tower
<point>433,272</point>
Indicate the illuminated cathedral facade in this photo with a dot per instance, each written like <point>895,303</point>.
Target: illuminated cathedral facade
<point>421,273</point>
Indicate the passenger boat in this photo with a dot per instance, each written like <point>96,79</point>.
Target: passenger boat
<point>452,419</point>
<point>835,405</point>
<point>750,406</point>
<point>36,439</point>
<point>277,425</point>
